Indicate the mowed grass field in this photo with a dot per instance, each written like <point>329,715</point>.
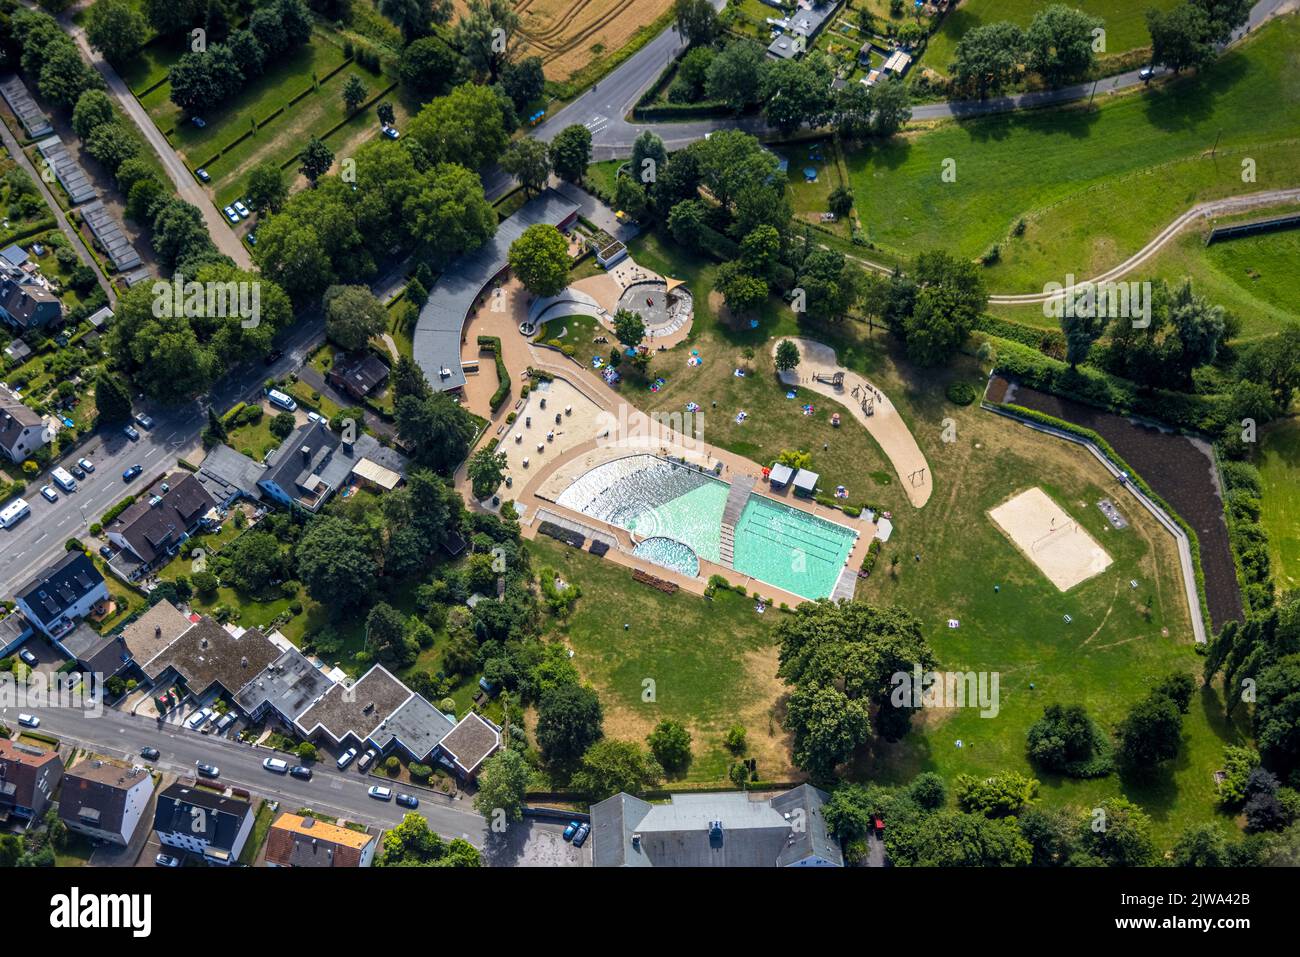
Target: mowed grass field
<point>1253,277</point>
<point>1093,185</point>
<point>1125,23</point>
<point>1120,638</point>
<point>1279,468</point>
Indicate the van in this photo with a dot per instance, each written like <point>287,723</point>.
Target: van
<point>366,759</point>
<point>278,398</point>
<point>14,512</point>
<point>29,720</point>
<point>276,765</point>
<point>63,479</point>
<point>346,758</point>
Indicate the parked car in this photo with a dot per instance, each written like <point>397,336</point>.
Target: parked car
<point>298,771</point>
<point>144,421</point>
<point>571,830</point>
<point>198,121</point>
<point>130,432</point>
<point>207,770</point>
<point>276,765</point>
<point>380,793</point>
<point>273,356</point>
<point>580,837</point>
<point>77,472</point>
<point>252,239</point>
<point>346,758</point>
<point>1146,73</point>
<point>150,754</point>
<point>48,493</point>
<point>317,417</point>
<point>132,472</point>
<point>241,209</point>
<point>198,719</point>
<point>86,464</point>
<point>391,132</point>
<point>166,860</point>
<point>408,800</point>
<point>203,175</point>
<point>28,658</point>
<point>105,553</point>
<point>29,720</point>
<point>230,213</point>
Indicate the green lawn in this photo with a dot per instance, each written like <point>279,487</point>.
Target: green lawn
<point>1279,467</point>
<point>1094,185</point>
<point>1124,22</point>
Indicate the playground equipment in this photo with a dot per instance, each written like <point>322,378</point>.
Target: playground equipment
<point>836,380</point>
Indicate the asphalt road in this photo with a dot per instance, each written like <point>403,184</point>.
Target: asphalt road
<point>333,792</point>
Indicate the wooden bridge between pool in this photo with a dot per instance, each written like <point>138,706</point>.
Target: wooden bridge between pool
<point>741,486</point>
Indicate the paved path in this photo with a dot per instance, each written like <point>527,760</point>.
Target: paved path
<point>74,237</point>
<point>884,425</point>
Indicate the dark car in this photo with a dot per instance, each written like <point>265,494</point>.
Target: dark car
<point>106,552</point>
<point>131,473</point>
<point>207,770</point>
<point>408,800</point>
<point>144,421</point>
<point>298,771</point>
<point>130,432</point>
<point>580,837</point>
<point>571,830</point>
<point>166,860</point>
<point>77,472</point>
<point>150,754</point>
<point>274,356</point>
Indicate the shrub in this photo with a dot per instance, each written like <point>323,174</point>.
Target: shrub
<point>961,393</point>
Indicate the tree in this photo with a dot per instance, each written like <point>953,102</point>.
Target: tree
<point>523,81</point>
<point>386,636</point>
<point>1000,795</point>
<point>353,316</point>
<point>841,201</point>
<point>266,189</point>
<point>1119,836</point>
<point>686,222</point>
<point>540,259</point>
<point>934,309</point>
<point>487,469</point>
<point>697,21</point>
<point>385,113</point>
<point>1223,17</point>
<point>173,16</point>
<point>670,743</point>
<point>94,108</point>
<point>316,160</point>
<point>112,399</point>
<point>742,292</point>
<point>569,721</point>
<point>629,328</point>
<point>795,92</point>
<point>467,126</point>
<point>891,105</point>
<point>354,93</point>
<point>571,153</point>
<point>1277,714</point>
<point>987,57</point>
<point>483,34</point>
<point>282,425</point>
<point>438,428</point>
<point>429,67</point>
<point>611,766</point>
<point>1201,845</point>
<point>65,76</point>
<point>1067,741</point>
<point>528,160</point>
<point>334,564</point>
<point>1180,37</point>
<point>854,110</point>
<point>292,254</point>
<point>411,16</point>
<point>254,560</point>
<point>734,74</point>
<point>1081,331</point>
<point>502,785</point>
<point>630,197</point>
<point>413,844</point>
<point>949,839</point>
<point>1058,43</point>
<point>1151,733</point>
<point>787,356</point>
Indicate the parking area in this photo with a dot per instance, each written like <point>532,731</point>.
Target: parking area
<point>535,843</point>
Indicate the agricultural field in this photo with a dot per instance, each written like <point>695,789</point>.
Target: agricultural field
<point>1279,469</point>
<point>1125,23</point>
<point>1086,204</point>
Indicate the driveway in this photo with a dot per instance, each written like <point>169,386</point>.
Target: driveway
<point>534,843</point>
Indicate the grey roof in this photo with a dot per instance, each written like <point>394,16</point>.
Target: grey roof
<point>219,825</point>
<point>100,317</point>
<point>226,474</point>
<point>60,586</point>
<point>290,685</point>
<point>208,654</point>
<point>728,829</point>
<point>33,118</point>
<point>17,350</point>
<point>806,479</point>
<point>108,232</point>
<point>805,23</point>
<point>14,255</point>
<point>417,726</point>
<point>780,474</point>
<point>472,741</point>
<point>325,464</point>
<point>436,341</point>
<point>84,642</point>
<point>155,524</point>
<point>68,171</point>
<point>29,305</point>
<point>355,709</point>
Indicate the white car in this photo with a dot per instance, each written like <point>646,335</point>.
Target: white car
<point>230,213</point>
<point>28,658</point>
<point>31,721</point>
<point>48,493</point>
<point>380,793</point>
<point>86,464</point>
<point>241,209</point>
<point>317,417</point>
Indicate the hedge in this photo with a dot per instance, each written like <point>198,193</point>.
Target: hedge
<point>117,510</point>
<point>499,397</point>
<point>1042,418</point>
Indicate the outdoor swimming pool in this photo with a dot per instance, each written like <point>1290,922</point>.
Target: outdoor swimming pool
<point>678,511</point>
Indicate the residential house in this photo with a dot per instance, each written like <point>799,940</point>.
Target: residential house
<point>28,778</point>
<point>284,689</point>
<point>62,594</point>
<point>105,799</point>
<point>153,528</point>
<point>211,655</point>
<point>27,306</point>
<point>359,374</point>
<point>464,749</point>
<point>203,822</point>
<point>296,841</point>
<point>22,431</point>
<point>229,476</point>
<point>728,829</point>
<point>314,462</point>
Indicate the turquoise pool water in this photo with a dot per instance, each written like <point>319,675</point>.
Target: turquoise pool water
<point>678,511</point>
<point>669,554</point>
<point>789,548</point>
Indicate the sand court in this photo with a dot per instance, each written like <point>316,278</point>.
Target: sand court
<point>1050,538</point>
